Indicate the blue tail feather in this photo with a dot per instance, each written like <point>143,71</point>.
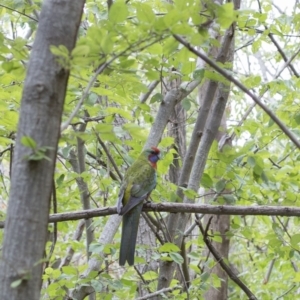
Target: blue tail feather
<point>129,233</point>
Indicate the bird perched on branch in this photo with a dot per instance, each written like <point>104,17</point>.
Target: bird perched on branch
<point>137,185</point>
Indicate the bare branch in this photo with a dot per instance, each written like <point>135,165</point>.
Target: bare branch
<point>264,210</point>
<point>82,185</point>
<point>70,252</point>
<point>162,291</point>
<point>151,88</point>
<point>19,12</point>
<point>165,111</point>
<point>108,155</point>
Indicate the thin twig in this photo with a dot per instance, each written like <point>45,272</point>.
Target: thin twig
<point>151,87</point>
<point>70,252</point>
<point>284,294</point>
<point>162,291</point>
<point>108,155</point>
<point>142,278</point>
<point>5,150</point>
<point>150,224</point>
<point>19,12</point>
<point>103,164</point>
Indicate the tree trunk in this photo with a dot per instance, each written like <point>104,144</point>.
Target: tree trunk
<point>194,163</point>
<point>31,183</point>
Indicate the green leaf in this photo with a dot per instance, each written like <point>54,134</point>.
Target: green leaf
<point>186,104</point>
<point>70,270</point>
<point>80,50</point>
<point>167,142</point>
<point>118,12</point>
<point>217,238</point>
<point>27,141</point>
<point>205,276</point>
<point>258,170</point>
<point>60,180</point>
<point>226,14</point>
<point>297,118</point>
<point>189,193</point>
<point>96,248</point>
<point>172,17</point>
<point>198,74</point>
<point>295,240</point>
<point>158,97</point>
<point>256,46</point>
<point>251,161</point>
<point>229,199</point>
<point>60,50</point>
<point>206,181</point>
<point>150,275</point>
<point>144,13</point>
<point>220,185</point>
<point>176,257</point>
<point>16,283</point>
<point>107,44</point>
<point>10,66</point>
<point>168,247</point>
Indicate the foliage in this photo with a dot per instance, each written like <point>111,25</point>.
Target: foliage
<point>134,40</point>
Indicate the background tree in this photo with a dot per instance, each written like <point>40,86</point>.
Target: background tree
<point>134,79</point>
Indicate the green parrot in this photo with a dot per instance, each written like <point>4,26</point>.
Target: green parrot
<point>137,185</point>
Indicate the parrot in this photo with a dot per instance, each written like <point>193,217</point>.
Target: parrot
<point>137,185</point>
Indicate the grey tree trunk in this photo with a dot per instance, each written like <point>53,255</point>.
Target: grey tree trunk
<point>31,182</point>
<point>220,224</point>
<point>193,164</point>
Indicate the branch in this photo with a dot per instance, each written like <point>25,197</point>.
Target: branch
<point>82,185</point>
<point>271,36</point>
<point>284,211</point>
<point>70,252</point>
<point>108,155</point>
<point>165,110</point>
<point>220,260</point>
<point>19,12</point>
<point>148,296</point>
<point>151,87</point>
<point>264,210</point>
<point>104,165</point>
<point>5,150</point>
<point>229,77</point>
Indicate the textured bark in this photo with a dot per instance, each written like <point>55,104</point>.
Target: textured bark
<point>235,210</point>
<point>31,183</point>
<point>193,166</point>
<point>176,129</point>
<point>220,224</point>
<point>78,166</point>
<point>177,223</point>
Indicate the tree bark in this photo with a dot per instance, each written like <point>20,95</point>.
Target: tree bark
<point>193,165</point>
<point>31,183</point>
<point>220,224</point>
